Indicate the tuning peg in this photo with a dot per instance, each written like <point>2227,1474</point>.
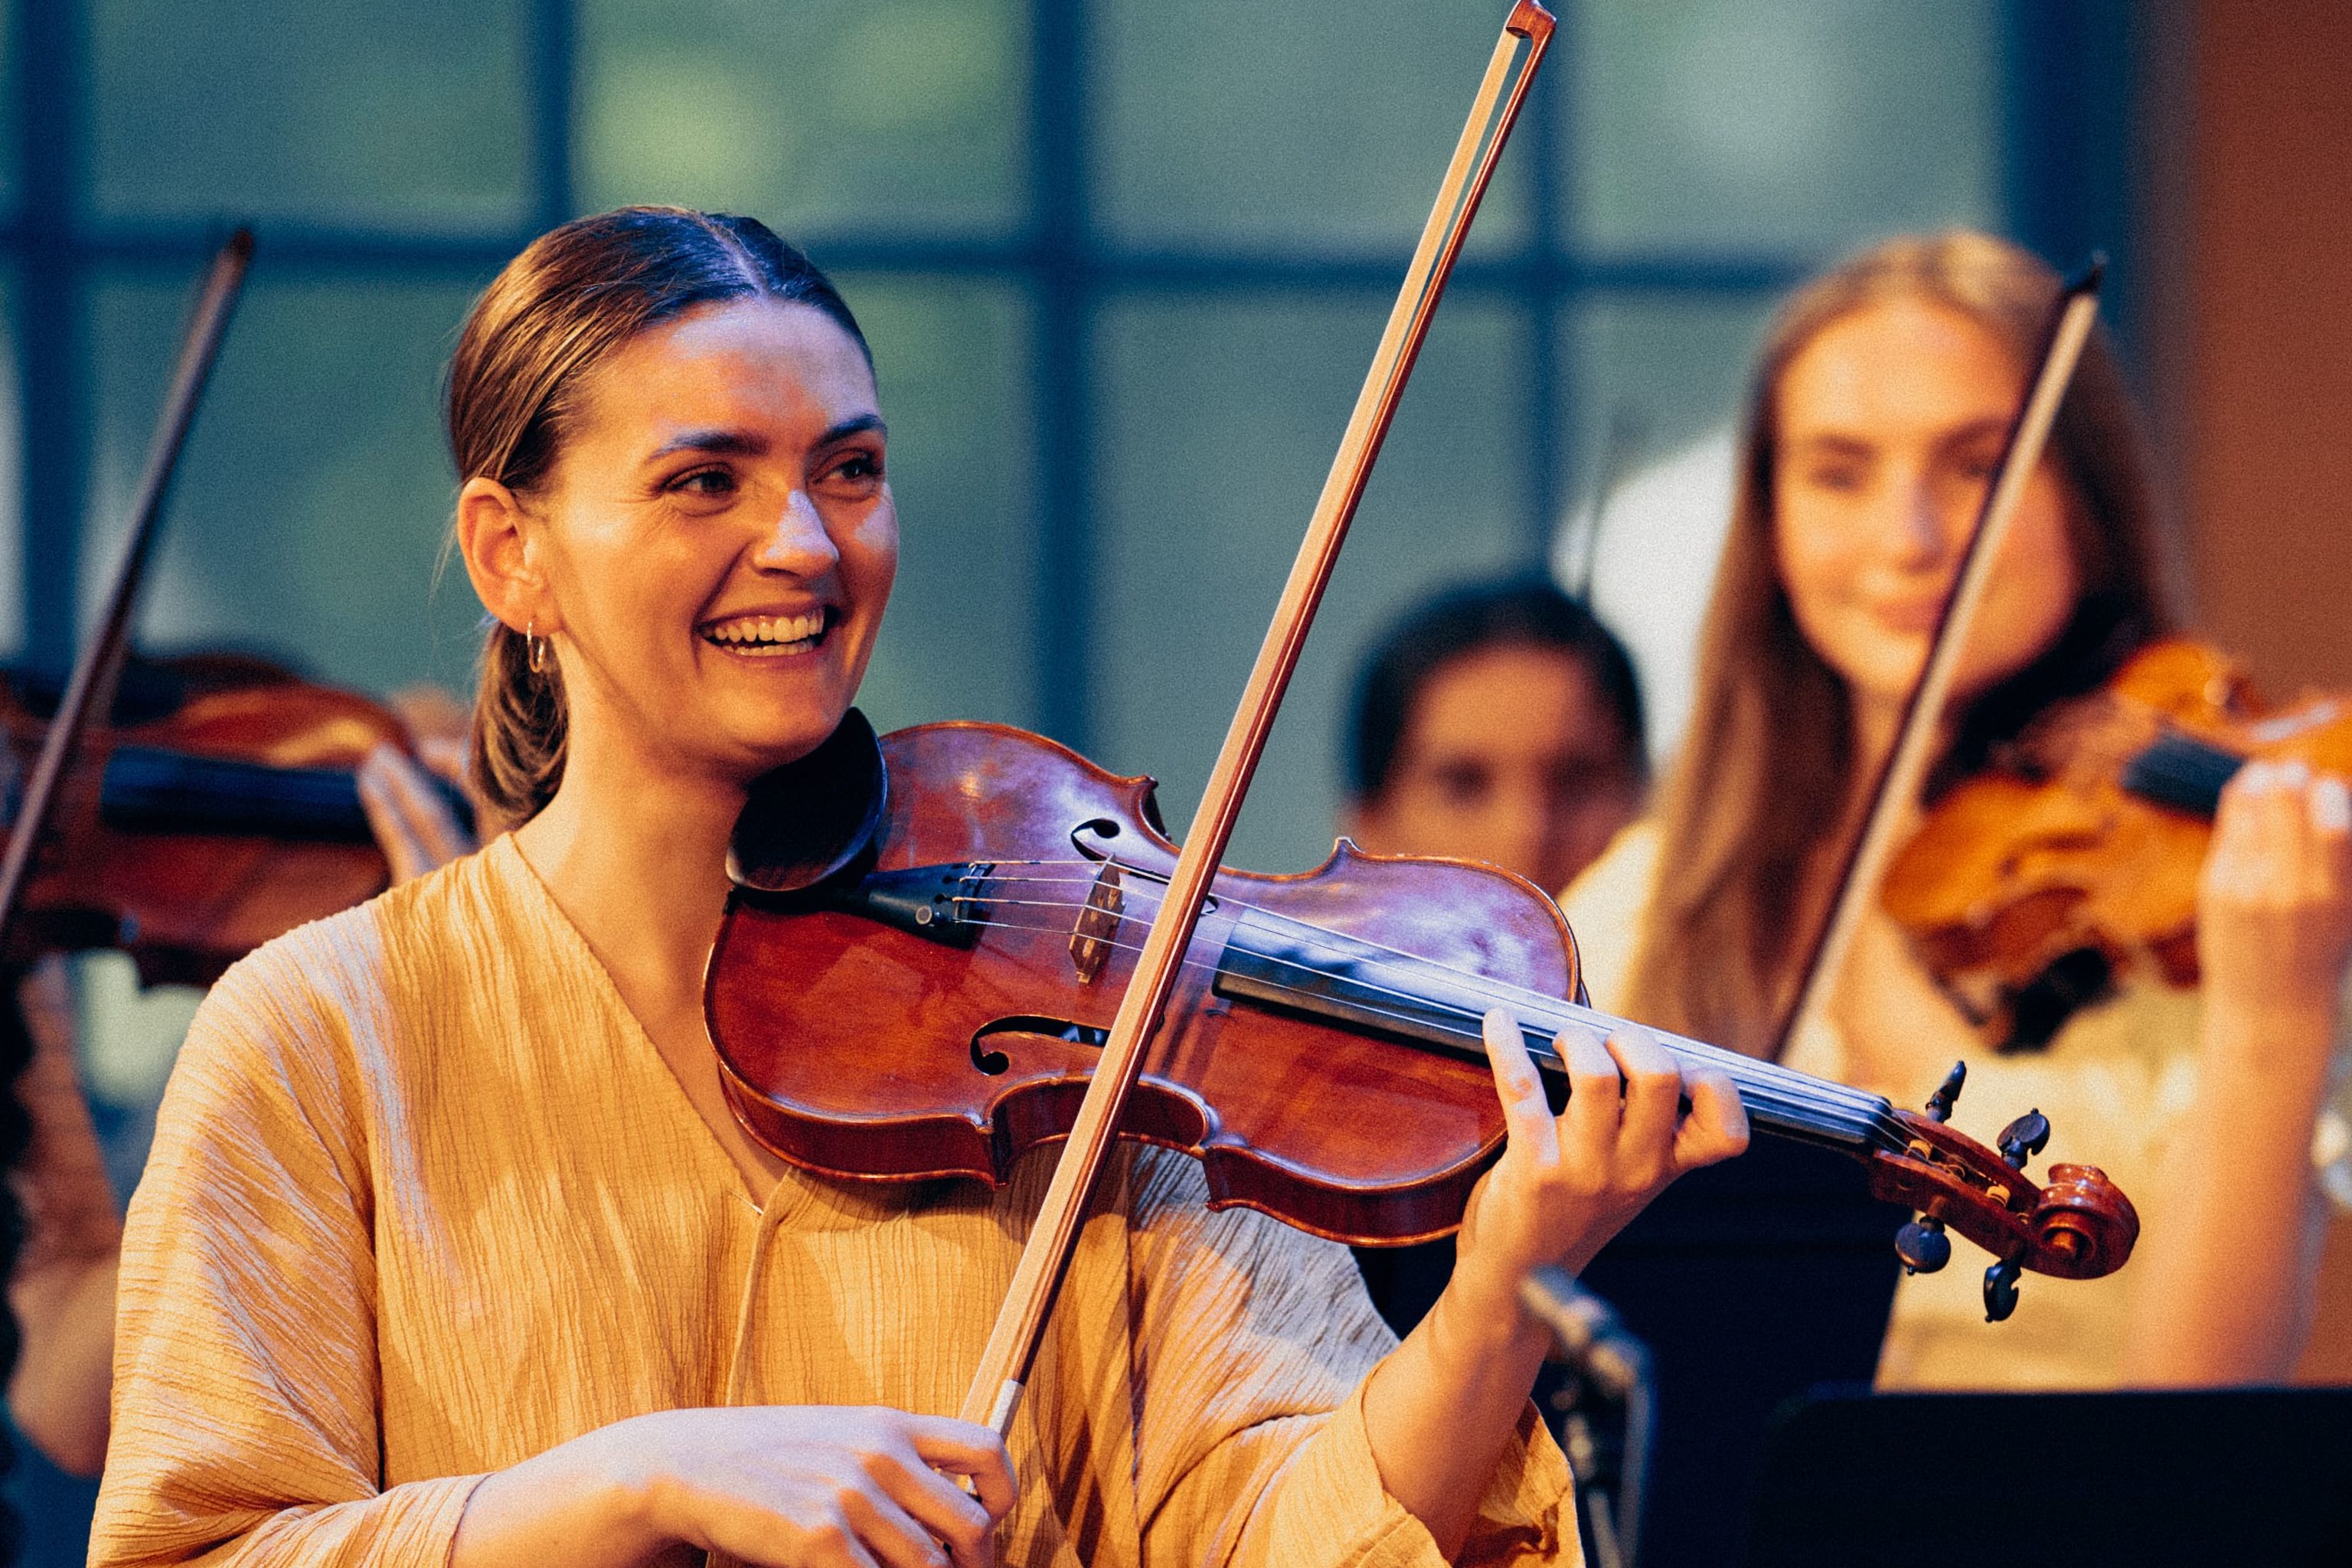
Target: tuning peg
<point>1922,1246</point>
<point>2001,1289</point>
<point>2025,1137</point>
<point>1940,1103</point>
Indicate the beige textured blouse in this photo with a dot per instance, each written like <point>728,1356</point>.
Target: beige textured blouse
<point>2116,1083</point>
<point>425,1202</point>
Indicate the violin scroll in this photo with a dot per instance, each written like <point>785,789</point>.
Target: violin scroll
<point>2079,1226</point>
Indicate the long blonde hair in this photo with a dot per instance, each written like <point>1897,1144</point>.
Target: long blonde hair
<point>1766,772</point>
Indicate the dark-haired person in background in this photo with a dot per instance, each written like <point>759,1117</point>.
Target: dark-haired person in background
<point>1499,721</point>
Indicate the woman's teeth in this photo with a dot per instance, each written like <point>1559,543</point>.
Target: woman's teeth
<point>766,635</point>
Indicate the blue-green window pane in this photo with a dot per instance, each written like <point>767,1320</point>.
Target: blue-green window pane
<point>1272,125</point>
<point>1804,125</point>
<point>949,357</point>
<point>12,489</point>
<point>9,147</point>
<point>1660,382</point>
<point>375,114</point>
<point>1653,373</point>
<point>817,115</point>
<point>1220,418</point>
<point>314,496</point>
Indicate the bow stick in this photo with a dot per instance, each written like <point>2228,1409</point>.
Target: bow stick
<point>91,686</point>
<point>1012,1346</point>
<point>1905,766</point>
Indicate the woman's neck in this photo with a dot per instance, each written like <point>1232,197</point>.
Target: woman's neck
<point>636,858</point>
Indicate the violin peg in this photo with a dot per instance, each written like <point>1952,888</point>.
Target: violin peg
<point>1940,1103</point>
<point>2024,1138</point>
<point>2001,1289</point>
<point>1922,1246</point>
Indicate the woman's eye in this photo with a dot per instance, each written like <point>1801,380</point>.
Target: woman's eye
<point>705,482</point>
<point>857,468</point>
<point>1840,476</point>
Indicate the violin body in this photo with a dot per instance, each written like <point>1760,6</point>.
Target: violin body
<point>934,1005</point>
<point>2073,860</point>
<point>1342,1134</point>
<point>188,836</point>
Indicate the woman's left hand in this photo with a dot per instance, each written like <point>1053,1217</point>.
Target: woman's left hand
<point>1566,1184</point>
<point>414,825</point>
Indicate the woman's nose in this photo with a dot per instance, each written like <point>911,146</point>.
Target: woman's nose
<point>1918,525</point>
<point>797,543</point>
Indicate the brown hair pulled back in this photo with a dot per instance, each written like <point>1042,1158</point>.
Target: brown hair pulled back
<point>1766,774</point>
<point>559,310</point>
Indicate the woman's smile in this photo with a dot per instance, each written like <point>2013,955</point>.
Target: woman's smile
<point>770,634</point>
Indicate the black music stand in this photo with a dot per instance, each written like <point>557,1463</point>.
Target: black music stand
<point>2237,1477</point>
<point>1751,1281</point>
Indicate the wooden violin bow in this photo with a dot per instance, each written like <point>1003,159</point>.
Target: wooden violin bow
<point>90,689</point>
<point>1004,1364</point>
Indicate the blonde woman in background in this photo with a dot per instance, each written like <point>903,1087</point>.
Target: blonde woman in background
<point>1878,413</point>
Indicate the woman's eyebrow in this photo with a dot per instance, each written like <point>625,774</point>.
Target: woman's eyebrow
<point>717,443</point>
<point>855,425</point>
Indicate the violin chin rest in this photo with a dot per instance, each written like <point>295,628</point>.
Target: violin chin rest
<point>812,818</point>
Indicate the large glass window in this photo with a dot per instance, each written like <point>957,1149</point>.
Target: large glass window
<point>1122,264</point>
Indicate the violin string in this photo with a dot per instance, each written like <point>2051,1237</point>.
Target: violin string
<point>1766,1086</point>
<point>1759,1095</point>
<point>1859,1100</point>
<point>1542,1008</point>
<point>1759,1077</point>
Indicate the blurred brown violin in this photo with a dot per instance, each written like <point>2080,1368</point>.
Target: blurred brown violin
<point>2031,887</point>
<point>218,808</point>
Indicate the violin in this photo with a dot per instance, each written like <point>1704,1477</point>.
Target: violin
<point>217,808</point>
<point>2072,860</point>
<point>980,894</point>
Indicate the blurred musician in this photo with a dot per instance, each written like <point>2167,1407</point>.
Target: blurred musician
<point>62,1289</point>
<point>1878,417</point>
<point>1499,722</point>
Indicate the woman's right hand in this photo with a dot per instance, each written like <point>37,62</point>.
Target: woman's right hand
<point>776,1486</point>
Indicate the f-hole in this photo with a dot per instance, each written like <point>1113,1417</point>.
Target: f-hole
<point>992,1061</point>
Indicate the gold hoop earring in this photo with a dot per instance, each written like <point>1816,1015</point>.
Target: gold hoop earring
<point>534,647</point>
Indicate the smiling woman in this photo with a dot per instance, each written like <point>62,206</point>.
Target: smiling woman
<point>451,1239</point>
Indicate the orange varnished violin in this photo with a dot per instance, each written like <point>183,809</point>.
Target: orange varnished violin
<point>2033,885</point>
<point>1321,1054</point>
<point>220,809</point>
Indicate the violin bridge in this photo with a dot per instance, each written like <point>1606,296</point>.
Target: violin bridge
<point>1092,939</point>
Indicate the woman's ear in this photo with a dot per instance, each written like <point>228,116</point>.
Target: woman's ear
<point>500,557</point>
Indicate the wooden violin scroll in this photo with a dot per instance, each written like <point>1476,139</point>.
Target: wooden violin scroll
<point>996,1387</point>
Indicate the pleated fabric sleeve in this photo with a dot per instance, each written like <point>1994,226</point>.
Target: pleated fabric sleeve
<point>425,1202</point>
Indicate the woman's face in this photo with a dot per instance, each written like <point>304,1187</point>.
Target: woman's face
<point>718,539</point>
<point>1891,424</point>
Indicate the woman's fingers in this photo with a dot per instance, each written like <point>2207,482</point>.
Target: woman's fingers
<point>412,825</point>
<point>1717,1127</point>
<point>1526,1115</point>
<point>1652,1106</point>
<point>975,1453</point>
<point>1590,1126</point>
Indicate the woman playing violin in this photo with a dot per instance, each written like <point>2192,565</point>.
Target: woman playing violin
<point>1879,411</point>
<point>450,1247</point>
